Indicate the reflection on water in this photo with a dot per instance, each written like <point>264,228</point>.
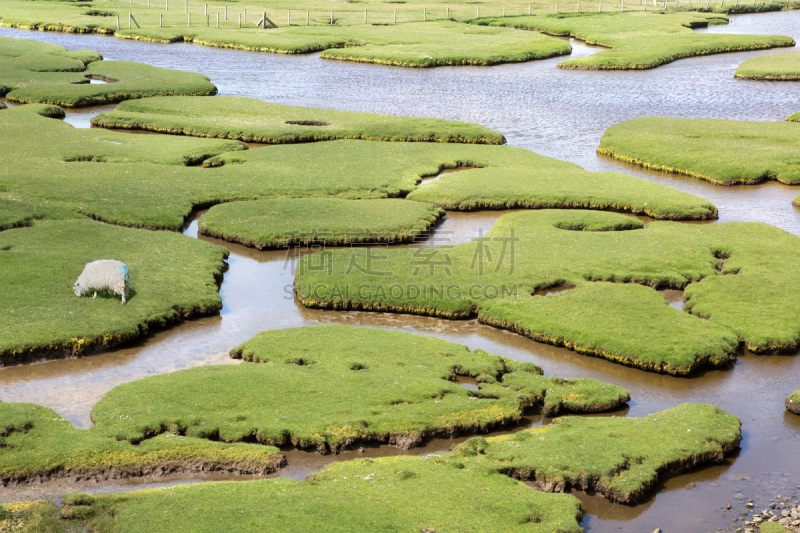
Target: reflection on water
<point>557,113</point>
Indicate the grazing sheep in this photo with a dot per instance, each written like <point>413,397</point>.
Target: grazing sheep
<point>103,275</point>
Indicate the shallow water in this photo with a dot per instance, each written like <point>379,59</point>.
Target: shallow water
<point>537,106</point>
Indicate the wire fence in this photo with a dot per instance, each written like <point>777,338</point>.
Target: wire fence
<point>172,13</point>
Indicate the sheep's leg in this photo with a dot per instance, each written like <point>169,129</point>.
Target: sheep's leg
<point>123,298</point>
<point>95,294</point>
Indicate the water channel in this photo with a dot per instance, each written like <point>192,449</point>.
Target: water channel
<point>557,113</point>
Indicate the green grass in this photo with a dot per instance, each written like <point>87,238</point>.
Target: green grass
<point>15,214</point>
<point>282,222</point>
<point>724,152</point>
<point>37,444</point>
<point>512,177</point>
<point>145,180</point>
<point>328,387</point>
<point>741,277</point>
<point>640,40</point>
<point>33,72</point>
<point>793,402</point>
<point>773,527</point>
<point>412,44</point>
<point>250,120</point>
<point>172,277</point>
<point>37,516</point>
<point>378,495</point>
<point>621,458</point>
<point>773,67</point>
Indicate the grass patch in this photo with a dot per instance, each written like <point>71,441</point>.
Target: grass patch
<point>793,402</point>
<point>15,214</point>
<point>512,178</point>
<point>146,180</point>
<point>640,40</point>
<point>34,72</point>
<point>250,120</point>
<point>30,517</point>
<point>389,387</point>
<point>621,458</point>
<point>172,277</point>
<point>739,276</point>
<point>386,494</point>
<point>773,67</point>
<point>281,222</point>
<point>36,444</point>
<point>724,152</point>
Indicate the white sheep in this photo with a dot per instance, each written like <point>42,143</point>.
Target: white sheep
<point>103,275</point>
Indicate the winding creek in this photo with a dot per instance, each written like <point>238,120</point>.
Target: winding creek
<point>557,113</point>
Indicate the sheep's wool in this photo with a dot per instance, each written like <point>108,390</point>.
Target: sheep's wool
<point>103,275</point>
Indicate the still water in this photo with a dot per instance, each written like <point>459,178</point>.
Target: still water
<point>557,113</point>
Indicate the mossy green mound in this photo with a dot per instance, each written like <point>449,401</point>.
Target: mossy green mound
<point>281,222</point>
<point>773,527</point>
<point>250,120</point>
<point>147,180</point>
<point>328,387</point>
<point>641,40</point>
<point>793,402</point>
<point>171,277</point>
<point>774,67</point>
<point>34,72</point>
<point>621,458</point>
<point>37,444</point>
<point>724,152</point>
<point>739,276</point>
<point>387,494</point>
<point>37,516</point>
<point>513,178</point>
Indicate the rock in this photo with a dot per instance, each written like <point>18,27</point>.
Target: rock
<point>749,505</point>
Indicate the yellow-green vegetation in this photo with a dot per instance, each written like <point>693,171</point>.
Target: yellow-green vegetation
<point>381,495</point>
<point>740,279</point>
<point>793,402</point>
<point>15,214</point>
<point>773,67</point>
<point>621,458</point>
<point>37,444</point>
<point>37,516</point>
<point>413,44</point>
<point>34,72</point>
<point>147,180</point>
<point>773,527</point>
<point>171,277</point>
<point>724,152</point>
<point>328,387</point>
<point>281,222</point>
<point>510,178</point>
<point>640,40</point>
<point>251,120</point>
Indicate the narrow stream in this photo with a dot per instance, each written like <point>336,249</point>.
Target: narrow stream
<point>539,107</point>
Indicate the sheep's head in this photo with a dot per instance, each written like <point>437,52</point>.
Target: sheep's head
<point>76,288</point>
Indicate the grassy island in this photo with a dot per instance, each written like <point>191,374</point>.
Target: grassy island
<point>282,222</point>
<point>386,494</point>
<point>156,181</point>
<point>772,67</point>
<point>793,402</point>
<point>34,72</point>
<point>172,277</point>
<point>328,387</point>
<point>724,152</point>
<point>621,458</point>
<point>640,40</point>
<point>251,120</point>
<point>739,280</point>
<point>36,444</point>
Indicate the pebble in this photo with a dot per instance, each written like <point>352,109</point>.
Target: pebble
<point>784,511</point>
